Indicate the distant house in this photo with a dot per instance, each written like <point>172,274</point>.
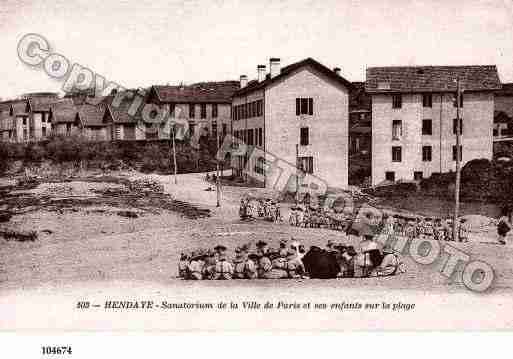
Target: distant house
<point>304,105</point>
<point>20,111</point>
<point>414,118</point>
<point>7,123</point>
<point>360,120</point>
<point>124,126</point>
<point>95,123</point>
<point>204,105</point>
<point>64,118</point>
<point>38,108</point>
<point>503,116</point>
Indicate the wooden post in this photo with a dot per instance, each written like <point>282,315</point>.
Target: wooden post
<point>174,153</point>
<point>455,226</point>
<point>218,180</point>
<point>297,174</point>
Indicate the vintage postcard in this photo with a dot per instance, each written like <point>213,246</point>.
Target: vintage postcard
<point>233,165</point>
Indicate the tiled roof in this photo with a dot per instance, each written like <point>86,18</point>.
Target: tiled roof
<point>64,111</point>
<point>42,103</point>
<point>507,90</point>
<point>92,115</point>
<point>287,70</point>
<point>19,107</point>
<point>202,92</point>
<point>431,78</point>
<point>5,106</point>
<point>120,114</point>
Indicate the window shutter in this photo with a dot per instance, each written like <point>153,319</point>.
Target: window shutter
<point>310,106</point>
<point>298,106</point>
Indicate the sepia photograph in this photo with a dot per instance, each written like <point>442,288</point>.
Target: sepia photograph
<point>255,166</point>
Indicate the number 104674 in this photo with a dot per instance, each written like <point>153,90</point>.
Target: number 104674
<point>51,350</point>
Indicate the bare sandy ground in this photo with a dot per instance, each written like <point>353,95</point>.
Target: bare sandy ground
<point>100,256</point>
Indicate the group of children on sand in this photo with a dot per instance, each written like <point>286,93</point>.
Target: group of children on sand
<point>264,263</point>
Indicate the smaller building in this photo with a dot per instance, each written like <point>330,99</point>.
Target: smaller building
<point>503,116</point>
<point>94,122</point>
<point>64,118</point>
<point>124,124</point>
<point>38,108</point>
<point>360,120</point>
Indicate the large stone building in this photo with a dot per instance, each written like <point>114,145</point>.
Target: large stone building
<point>414,118</point>
<point>303,105</point>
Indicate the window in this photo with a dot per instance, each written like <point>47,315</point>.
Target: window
<point>24,121</point>
<point>304,136</point>
<point>397,101</point>
<point>496,131</point>
<point>306,164</point>
<point>455,101</point>
<point>427,100</point>
<point>203,112</point>
<point>454,124</point>
<point>191,110</point>
<point>396,154</point>
<point>304,106</point>
<point>25,134</point>
<point>224,129</point>
<point>417,175</point>
<point>172,107</point>
<point>390,176</point>
<point>260,165</point>
<point>214,110</point>
<point>260,107</point>
<point>454,153</point>
<point>214,129</point>
<point>260,137</point>
<point>192,127</point>
<point>250,137</point>
<point>397,129</point>
<point>426,153</point>
<point>427,127</point>
<point>43,129</point>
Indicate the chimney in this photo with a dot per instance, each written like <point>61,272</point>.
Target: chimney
<point>261,73</point>
<point>336,70</point>
<point>243,81</point>
<point>274,66</point>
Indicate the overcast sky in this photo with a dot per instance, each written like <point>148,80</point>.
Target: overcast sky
<point>144,42</point>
